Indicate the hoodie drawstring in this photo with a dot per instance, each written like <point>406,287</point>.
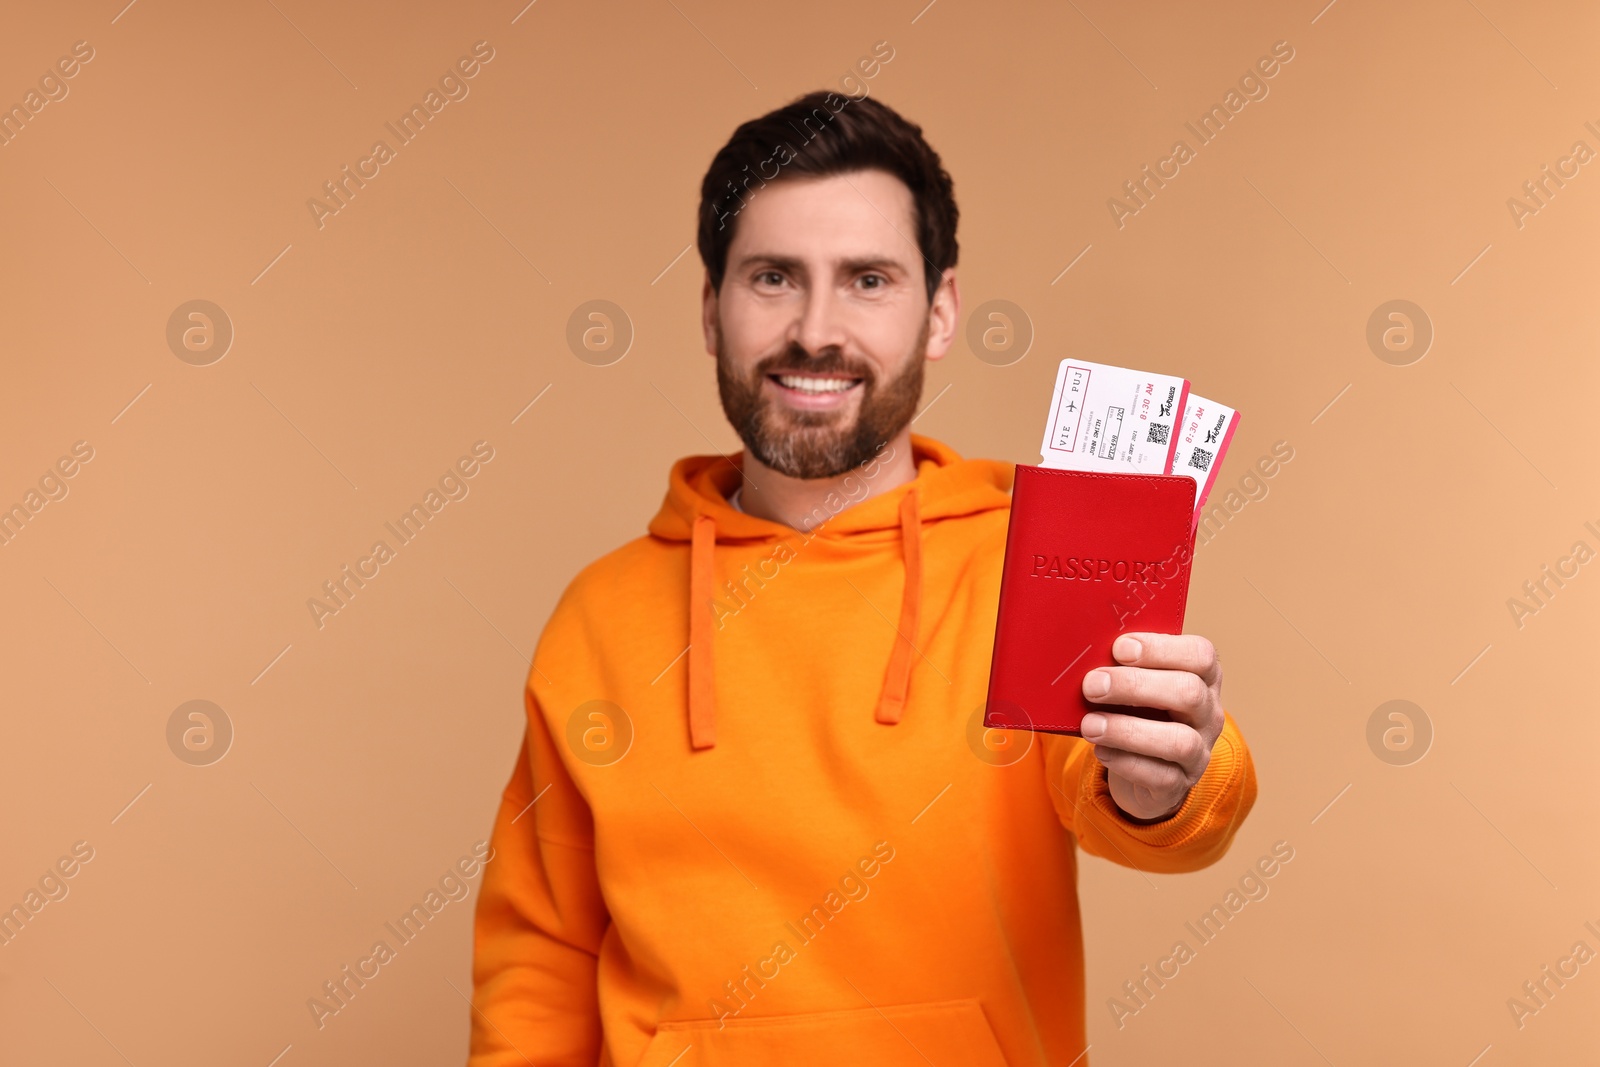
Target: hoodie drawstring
<point>702,614</point>
<point>702,624</point>
<point>892,700</point>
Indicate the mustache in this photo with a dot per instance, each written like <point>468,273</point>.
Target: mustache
<point>797,360</point>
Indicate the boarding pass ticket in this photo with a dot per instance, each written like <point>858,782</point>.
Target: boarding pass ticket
<point>1203,437</point>
<point>1105,418</point>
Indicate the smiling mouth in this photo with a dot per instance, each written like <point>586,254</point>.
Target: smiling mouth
<point>816,384</point>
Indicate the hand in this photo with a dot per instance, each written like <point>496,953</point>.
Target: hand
<point>1151,765</point>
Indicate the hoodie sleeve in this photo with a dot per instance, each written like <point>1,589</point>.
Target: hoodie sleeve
<point>539,921</point>
<point>1195,836</point>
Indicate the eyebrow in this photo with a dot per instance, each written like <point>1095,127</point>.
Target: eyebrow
<point>850,264</point>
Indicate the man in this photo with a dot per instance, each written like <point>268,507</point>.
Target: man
<point>756,818</point>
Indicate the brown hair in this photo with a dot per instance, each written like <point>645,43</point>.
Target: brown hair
<point>817,135</point>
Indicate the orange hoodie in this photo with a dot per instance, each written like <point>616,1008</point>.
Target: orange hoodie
<point>756,817</point>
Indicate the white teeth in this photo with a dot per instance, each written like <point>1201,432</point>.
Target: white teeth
<point>815,385</point>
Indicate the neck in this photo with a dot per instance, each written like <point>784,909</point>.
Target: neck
<point>801,503</point>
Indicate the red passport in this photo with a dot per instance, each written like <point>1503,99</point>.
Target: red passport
<point>1089,555</point>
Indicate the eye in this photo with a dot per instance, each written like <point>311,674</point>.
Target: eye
<point>879,281</point>
<point>773,276</point>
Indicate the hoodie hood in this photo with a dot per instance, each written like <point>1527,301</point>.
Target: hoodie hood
<point>696,510</point>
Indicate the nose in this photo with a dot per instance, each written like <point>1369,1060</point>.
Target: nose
<point>818,324</point>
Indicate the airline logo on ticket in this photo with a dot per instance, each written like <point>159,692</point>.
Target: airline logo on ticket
<point>1105,418</point>
<point>1203,437</point>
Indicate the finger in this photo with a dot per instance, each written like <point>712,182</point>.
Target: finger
<point>1183,694</point>
<point>1172,742</point>
<point>1158,777</point>
<point>1176,652</point>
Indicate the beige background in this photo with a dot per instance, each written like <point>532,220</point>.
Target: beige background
<point>371,353</point>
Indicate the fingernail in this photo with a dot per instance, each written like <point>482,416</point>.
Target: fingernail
<point>1093,726</point>
<point>1096,684</point>
<point>1132,648</point>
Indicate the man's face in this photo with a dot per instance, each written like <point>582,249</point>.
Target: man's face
<point>823,321</point>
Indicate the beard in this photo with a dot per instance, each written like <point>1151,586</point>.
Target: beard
<point>818,444</point>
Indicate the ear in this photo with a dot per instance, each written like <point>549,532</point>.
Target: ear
<point>943,315</point>
<point>708,316</point>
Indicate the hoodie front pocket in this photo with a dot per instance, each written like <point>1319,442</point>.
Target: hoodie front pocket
<point>948,1032</point>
